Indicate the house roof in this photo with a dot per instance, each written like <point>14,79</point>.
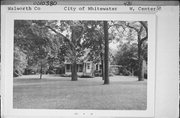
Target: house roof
<point>82,59</point>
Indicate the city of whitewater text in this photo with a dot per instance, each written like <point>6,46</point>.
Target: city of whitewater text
<point>90,8</point>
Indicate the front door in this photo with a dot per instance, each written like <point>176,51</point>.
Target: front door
<point>88,67</point>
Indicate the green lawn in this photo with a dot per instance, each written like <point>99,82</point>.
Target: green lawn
<point>53,92</point>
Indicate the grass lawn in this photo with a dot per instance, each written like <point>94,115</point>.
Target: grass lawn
<point>53,92</point>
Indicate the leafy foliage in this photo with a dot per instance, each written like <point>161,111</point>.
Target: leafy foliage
<point>31,39</point>
<point>20,62</point>
<point>133,46</point>
<point>127,57</point>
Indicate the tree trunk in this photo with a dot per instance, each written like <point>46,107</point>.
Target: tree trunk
<point>102,65</point>
<point>132,72</point>
<point>140,64</point>
<point>74,71</point>
<point>106,54</point>
<point>84,68</point>
<point>74,64</point>
<point>102,60</point>
<point>41,71</point>
<point>92,69</point>
<point>143,68</point>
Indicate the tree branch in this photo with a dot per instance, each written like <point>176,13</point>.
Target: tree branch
<point>61,35</point>
<point>132,28</point>
<point>146,29</point>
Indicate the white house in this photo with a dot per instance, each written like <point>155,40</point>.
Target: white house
<point>83,68</point>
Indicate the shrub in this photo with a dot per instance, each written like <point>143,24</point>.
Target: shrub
<point>86,76</point>
<point>65,75</point>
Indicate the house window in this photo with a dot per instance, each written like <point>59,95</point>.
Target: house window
<point>97,66</point>
<point>88,65</point>
<point>68,68</point>
<point>100,67</point>
<point>80,67</point>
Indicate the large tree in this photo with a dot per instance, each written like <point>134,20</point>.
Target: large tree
<point>71,34</point>
<point>32,40</point>
<point>141,29</point>
<point>136,31</point>
<point>106,54</point>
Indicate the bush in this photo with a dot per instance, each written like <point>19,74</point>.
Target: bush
<point>86,76</point>
<point>111,74</point>
<point>97,73</point>
<point>65,75</point>
<point>51,72</point>
<point>125,72</point>
<point>28,71</point>
<point>16,74</point>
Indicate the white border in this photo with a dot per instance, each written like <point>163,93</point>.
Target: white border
<point>7,65</point>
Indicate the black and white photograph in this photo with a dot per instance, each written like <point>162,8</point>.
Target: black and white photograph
<point>80,64</point>
<point>89,59</point>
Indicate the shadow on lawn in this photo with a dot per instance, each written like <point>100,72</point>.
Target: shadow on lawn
<point>66,81</point>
